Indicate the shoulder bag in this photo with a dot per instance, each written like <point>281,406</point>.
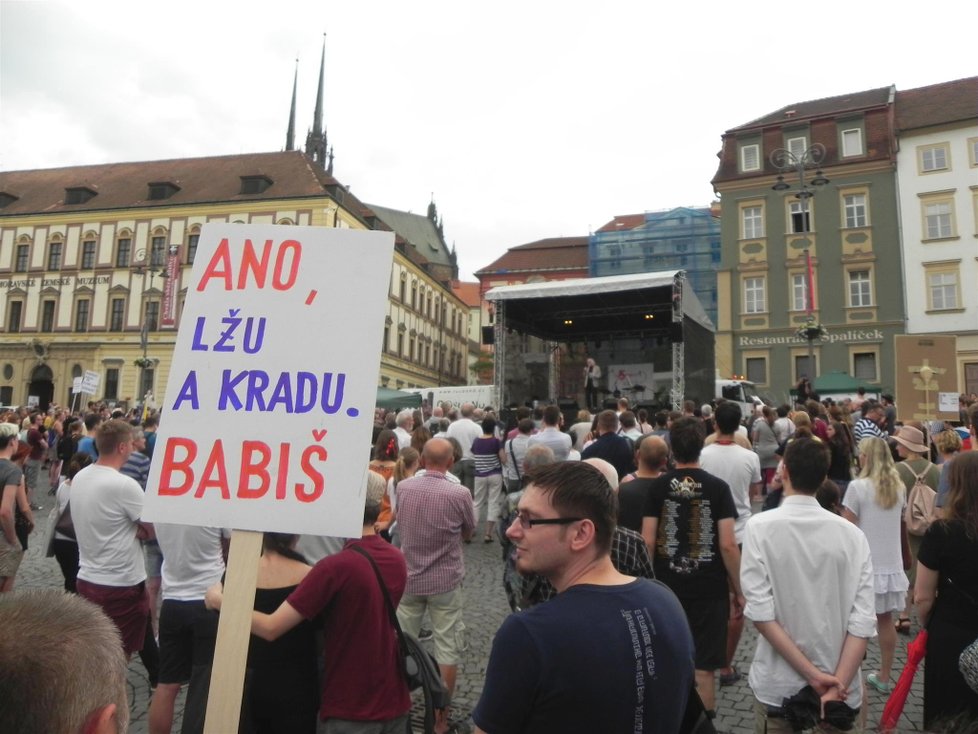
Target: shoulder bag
<point>65,524</point>
<point>419,666</point>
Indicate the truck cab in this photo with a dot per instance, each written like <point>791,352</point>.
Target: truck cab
<point>742,392</point>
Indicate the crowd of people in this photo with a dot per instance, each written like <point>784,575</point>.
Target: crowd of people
<point>633,552</point>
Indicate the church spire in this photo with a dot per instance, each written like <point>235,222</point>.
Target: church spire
<point>290,134</point>
<point>316,147</point>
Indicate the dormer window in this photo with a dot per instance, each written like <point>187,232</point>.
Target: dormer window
<point>255,184</point>
<point>162,190</point>
<point>6,199</point>
<point>79,194</point>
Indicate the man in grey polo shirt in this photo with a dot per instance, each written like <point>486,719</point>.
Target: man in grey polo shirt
<point>551,435</point>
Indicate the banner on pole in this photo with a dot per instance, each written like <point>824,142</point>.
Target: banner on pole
<point>268,410</point>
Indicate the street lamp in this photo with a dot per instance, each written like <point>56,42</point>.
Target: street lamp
<point>785,161</point>
<point>146,262</point>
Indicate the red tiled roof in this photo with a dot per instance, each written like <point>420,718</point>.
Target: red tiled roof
<point>553,253</point>
<point>468,293</point>
<point>623,221</point>
<point>937,104</point>
<point>200,180</point>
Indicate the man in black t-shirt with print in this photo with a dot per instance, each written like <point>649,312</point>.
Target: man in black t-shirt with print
<point>688,525</point>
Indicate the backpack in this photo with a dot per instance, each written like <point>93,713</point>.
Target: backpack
<point>919,512</point>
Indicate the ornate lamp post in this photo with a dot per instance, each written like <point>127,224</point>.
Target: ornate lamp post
<point>785,161</point>
<point>146,263</point>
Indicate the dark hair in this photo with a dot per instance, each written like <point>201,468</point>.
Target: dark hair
<point>608,421</point>
<point>282,543</point>
<point>577,489</point>
<point>661,418</point>
<point>829,496</point>
<point>489,425</point>
<point>92,420</point>
<point>727,417</point>
<point>627,419</point>
<point>419,437</point>
<point>807,463</point>
<point>551,415</point>
<point>76,463</point>
<point>386,446</point>
<point>110,434</point>
<point>526,425</point>
<point>686,439</point>
<point>962,499</point>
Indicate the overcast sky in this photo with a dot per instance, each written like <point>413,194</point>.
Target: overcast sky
<point>526,119</point>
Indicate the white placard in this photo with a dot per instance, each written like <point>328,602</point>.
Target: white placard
<point>947,402</point>
<point>268,410</point>
<point>33,401</point>
<point>90,382</point>
<point>76,386</point>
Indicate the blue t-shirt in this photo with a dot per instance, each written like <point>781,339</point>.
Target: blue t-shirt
<point>86,445</point>
<point>609,659</point>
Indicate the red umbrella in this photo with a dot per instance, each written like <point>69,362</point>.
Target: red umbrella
<point>916,649</point>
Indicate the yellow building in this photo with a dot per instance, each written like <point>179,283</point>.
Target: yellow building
<point>94,265</point>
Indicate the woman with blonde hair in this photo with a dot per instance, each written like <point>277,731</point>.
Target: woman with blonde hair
<point>875,503</point>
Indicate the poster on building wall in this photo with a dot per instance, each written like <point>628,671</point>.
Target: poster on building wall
<point>268,411</point>
<point>633,381</point>
<point>168,315</point>
<point>926,366</point>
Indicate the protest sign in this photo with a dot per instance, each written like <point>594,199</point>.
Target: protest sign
<point>76,385</point>
<point>90,382</point>
<point>267,416</point>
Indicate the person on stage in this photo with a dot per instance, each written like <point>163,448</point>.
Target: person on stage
<point>592,373</point>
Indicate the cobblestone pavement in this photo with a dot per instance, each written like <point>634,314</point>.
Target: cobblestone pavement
<point>485,608</point>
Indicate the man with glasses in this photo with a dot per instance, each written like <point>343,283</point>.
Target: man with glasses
<point>610,652</point>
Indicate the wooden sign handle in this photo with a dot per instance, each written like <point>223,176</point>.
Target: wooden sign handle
<point>233,633</point>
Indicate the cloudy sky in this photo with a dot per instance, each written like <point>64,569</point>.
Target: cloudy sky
<point>525,119</point>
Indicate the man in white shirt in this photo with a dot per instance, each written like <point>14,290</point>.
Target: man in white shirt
<point>741,469</point>
<point>405,424</point>
<point>105,508</point>
<point>193,562</point>
<point>551,435</point>
<point>806,571</point>
<point>465,431</point>
<point>783,425</point>
<point>516,448</point>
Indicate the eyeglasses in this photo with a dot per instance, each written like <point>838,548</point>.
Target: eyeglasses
<point>529,522</point>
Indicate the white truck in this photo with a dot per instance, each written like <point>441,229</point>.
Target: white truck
<point>479,395</point>
<point>742,392</point>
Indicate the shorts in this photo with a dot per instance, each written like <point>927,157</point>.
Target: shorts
<point>708,623</point>
<point>10,558</point>
<point>127,606</point>
<point>445,612</point>
<point>153,559</point>
<point>188,633</point>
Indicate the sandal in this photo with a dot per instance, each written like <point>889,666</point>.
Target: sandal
<point>903,625</point>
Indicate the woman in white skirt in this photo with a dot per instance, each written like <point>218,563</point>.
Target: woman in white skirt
<point>875,503</point>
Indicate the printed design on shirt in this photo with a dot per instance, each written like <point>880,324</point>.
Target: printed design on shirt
<point>641,629</point>
<point>685,534</point>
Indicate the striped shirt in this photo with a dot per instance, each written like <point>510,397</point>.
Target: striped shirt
<point>485,451</point>
<point>432,515</point>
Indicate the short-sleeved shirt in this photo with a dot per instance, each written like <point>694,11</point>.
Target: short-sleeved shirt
<point>948,549</point>
<point>105,507</point>
<point>192,560</point>
<point>485,451</point>
<point>34,438</point>
<point>362,679</point>
<point>554,439</point>
<point>632,496</point>
<point>689,503</point>
<point>739,468</point>
<point>628,669</point>
<point>10,475</point>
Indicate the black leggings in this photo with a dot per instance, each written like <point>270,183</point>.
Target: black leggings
<point>66,553</point>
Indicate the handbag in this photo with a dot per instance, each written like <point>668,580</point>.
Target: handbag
<point>65,524</point>
<point>418,665</point>
<point>48,542</point>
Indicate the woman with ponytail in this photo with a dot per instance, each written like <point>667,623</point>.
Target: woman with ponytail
<point>383,461</point>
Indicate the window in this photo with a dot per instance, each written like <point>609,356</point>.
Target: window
<point>750,157</point>
<point>800,217</point>
<point>753,222</point>
<point>942,289</point>
<point>414,294</point>
<point>151,316</point>
<point>192,248</point>
<point>933,157</point>
<point>403,292</point>
<point>797,146</point>
<point>78,195</point>
<point>157,252</point>
<point>427,354</point>
<point>88,255</point>
<point>387,339</point>
<point>973,151</point>
<point>117,315</point>
<point>54,256</point>
<point>123,252</point>
<point>852,142</point>
<point>255,184</point>
<point>855,210</point>
<point>799,292</point>
<point>428,300</point>
<point>400,345</point>
<point>23,258</point>
<point>756,369</point>
<point>938,219</point>
<point>82,306</point>
<point>15,316</point>
<point>47,316</point>
<point>146,381</point>
<point>112,383</point>
<point>864,366</point>
<point>413,347</point>
<point>614,258</point>
<point>755,300</point>
<point>860,288</point>
<point>805,368</point>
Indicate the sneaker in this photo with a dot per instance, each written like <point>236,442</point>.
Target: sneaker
<point>425,634</point>
<point>731,678</point>
<point>879,685</point>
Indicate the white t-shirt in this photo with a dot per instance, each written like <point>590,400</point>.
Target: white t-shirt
<point>105,506</point>
<point>738,467</point>
<point>465,431</point>
<point>558,442</point>
<point>192,560</point>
